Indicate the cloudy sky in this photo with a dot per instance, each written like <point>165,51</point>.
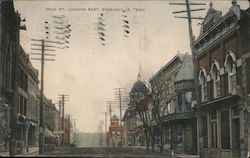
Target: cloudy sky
<point>89,71</point>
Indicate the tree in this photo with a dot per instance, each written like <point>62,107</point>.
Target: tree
<point>160,101</point>
<point>139,102</point>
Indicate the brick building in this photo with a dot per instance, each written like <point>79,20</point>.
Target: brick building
<point>114,133</point>
<point>223,59</point>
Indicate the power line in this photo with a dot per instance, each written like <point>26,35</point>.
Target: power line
<point>62,99</point>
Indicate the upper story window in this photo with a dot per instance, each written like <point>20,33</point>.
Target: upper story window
<point>203,84</point>
<point>184,101</point>
<point>215,76</point>
<point>230,66</point>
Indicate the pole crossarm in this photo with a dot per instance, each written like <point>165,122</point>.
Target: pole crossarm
<point>43,59</point>
<point>171,3</point>
<point>191,10</point>
<point>183,17</point>
<point>44,45</point>
<point>44,54</point>
<point>48,41</point>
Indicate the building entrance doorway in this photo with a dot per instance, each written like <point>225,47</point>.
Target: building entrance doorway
<point>236,137</point>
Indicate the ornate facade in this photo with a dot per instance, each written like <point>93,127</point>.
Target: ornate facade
<point>223,58</point>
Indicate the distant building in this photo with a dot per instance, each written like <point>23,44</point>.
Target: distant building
<point>223,57</point>
<point>67,131</point>
<point>114,133</point>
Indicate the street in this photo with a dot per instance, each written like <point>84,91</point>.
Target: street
<point>102,152</point>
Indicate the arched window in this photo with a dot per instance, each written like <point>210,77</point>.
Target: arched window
<point>230,66</point>
<point>215,76</point>
<point>203,83</point>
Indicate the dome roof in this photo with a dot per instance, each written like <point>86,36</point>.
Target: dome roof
<point>139,86</point>
<point>186,71</point>
<point>114,117</point>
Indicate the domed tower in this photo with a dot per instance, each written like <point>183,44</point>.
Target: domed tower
<point>114,121</point>
<point>139,89</point>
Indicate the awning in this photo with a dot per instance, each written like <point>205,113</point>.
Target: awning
<point>58,132</point>
<point>48,132</point>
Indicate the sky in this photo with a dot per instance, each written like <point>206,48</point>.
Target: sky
<point>88,71</point>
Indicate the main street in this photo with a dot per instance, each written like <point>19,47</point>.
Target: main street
<point>107,152</point>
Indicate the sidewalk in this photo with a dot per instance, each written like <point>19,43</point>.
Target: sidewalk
<point>186,156</point>
<point>32,151</point>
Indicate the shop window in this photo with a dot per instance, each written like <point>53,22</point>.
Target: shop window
<point>230,65</point>
<point>205,132</point>
<point>225,130</point>
<point>179,134</point>
<point>167,135</point>
<point>213,124</point>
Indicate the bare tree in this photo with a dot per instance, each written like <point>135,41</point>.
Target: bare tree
<point>140,106</point>
<point>159,104</point>
<point>139,102</point>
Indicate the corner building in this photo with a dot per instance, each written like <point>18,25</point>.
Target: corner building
<point>223,60</point>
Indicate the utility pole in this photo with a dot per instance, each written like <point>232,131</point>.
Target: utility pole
<point>74,130</point>
<point>63,98</point>
<point>60,120</point>
<point>194,51</point>
<point>110,108</point>
<point>42,47</point>
<point>106,128</point>
<point>119,92</point>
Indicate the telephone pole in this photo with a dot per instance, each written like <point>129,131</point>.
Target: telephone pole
<point>194,51</point>
<point>110,108</point>
<point>63,98</point>
<point>120,93</point>
<point>42,46</point>
<point>75,139</point>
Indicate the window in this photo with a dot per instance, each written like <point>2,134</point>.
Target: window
<point>204,132</point>
<point>180,102</point>
<point>168,135</point>
<point>213,130</point>
<point>188,100</point>
<point>230,65</point>
<point>179,134</point>
<point>203,83</point>
<point>225,130</point>
<point>168,108</point>
<point>184,101</point>
<point>215,75</point>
